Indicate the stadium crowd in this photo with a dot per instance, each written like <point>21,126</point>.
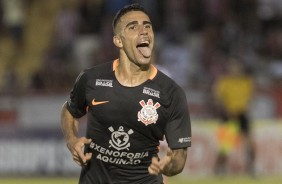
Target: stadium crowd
<point>194,40</point>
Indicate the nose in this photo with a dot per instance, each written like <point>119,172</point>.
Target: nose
<point>143,30</point>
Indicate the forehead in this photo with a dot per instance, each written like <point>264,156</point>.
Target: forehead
<point>134,16</point>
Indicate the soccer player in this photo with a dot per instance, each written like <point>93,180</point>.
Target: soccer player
<point>130,107</point>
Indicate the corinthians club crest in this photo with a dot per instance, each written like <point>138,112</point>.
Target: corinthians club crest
<point>148,114</point>
<point>120,138</point>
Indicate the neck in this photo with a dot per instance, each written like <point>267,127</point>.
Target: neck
<point>129,74</point>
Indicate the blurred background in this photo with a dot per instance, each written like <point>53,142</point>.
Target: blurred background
<point>45,44</point>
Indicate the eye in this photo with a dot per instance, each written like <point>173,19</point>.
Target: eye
<point>148,26</point>
<point>133,27</point>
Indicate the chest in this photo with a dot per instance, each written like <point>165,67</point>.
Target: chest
<point>110,103</point>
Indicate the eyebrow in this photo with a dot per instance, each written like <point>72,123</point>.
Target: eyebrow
<point>136,22</point>
<point>147,22</point>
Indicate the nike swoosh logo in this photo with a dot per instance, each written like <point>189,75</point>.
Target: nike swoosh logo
<point>98,103</point>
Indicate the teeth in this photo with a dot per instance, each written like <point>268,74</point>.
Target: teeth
<point>145,42</point>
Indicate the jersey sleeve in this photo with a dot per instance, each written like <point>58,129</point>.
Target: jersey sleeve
<point>178,128</point>
<point>76,104</point>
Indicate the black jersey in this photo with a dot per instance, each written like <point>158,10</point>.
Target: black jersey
<point>127,123</point>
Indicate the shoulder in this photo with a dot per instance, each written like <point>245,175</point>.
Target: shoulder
<point>167,85</point>
<point>173,97</point>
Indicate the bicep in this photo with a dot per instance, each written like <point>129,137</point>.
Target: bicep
<point>77,103</point>
<point>178,127</point>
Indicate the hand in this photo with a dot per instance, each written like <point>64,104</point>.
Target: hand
<point>158,165</point>
<point>76,147</point>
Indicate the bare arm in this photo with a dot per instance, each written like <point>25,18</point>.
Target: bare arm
<point>69,126</point>
<point>171,164</point>
<point>177,162</point>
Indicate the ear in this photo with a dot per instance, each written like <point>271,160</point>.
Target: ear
<point>117,41</point>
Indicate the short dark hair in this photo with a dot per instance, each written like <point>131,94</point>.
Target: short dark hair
<point>126,9</point>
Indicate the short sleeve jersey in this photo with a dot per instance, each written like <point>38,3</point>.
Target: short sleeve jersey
<point>127,123</point>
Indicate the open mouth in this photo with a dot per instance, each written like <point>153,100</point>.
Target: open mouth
<point>144,48</point>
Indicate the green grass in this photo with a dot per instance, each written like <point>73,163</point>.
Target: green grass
<point>174,180</point>
<point>39,180</point>
<point>227,180</point>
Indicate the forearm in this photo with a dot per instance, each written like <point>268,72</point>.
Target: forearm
<point>69,125</point>
<point>177,162</point>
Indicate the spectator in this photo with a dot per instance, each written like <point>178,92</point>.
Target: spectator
<point>67,22</point>
<point>90,13</point>
<point>14,16</point>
